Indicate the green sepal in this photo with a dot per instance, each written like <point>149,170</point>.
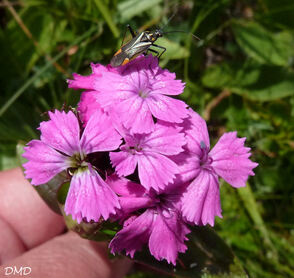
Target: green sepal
<point>96,231</point>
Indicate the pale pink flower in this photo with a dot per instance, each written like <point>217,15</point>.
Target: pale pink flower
<point>228,159</point>
<point>149,217</point>
<point>62,147</point>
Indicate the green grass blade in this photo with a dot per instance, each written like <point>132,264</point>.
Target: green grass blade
<point>30,81</point>
<point>106,14</point>
<point>251,206</point>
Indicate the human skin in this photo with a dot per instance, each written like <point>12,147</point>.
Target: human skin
<point>31,235</point>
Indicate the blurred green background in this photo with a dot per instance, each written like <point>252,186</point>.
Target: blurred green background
<point>239,76</point>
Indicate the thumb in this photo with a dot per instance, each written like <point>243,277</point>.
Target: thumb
<point>69,255</point>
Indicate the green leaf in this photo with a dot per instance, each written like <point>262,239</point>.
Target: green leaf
<point>278,13</point>
<point>19,152</point>
<point>207,256</point>
<point>173,50</point>
<point>218,76</point>
<point>251,80</point>
<point>232,75</point>
<point>7,161</point>
<point>264,46</point>
<point>130,8</point>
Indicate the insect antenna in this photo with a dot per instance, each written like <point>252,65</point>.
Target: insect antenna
<point>181,31</point>
<point>170,18</point>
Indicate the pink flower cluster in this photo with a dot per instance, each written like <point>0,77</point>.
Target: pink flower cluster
<point>139,156</point>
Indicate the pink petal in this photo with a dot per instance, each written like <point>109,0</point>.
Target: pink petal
<point>43,162</point>
<point>116,123</point>
<point>124,162</point>
<point>168,236</point>
<point>139,79</point>
<point>61,132</point>
<point>196,132</point>
<point>125,187</point>
<point>231,159</point>
<point>111,81</point>
<point>132,196</point>
<point>132,237</point>
<point>88,105</point>
<point>165,140</point>
<point>134,114</point>
<point>82,82</point>
<point>87,82</point>
<point>189,166</point>
<point>142,63</point>
<point>133,204</point>
<point>201,201</point>
<point>90,197</point>
<point>156,170</point>
<point>100,69</point>
<point>166,85</point>
<point>113,88</point>
<point>161,81</point>
<point>167,108</point>
<point>164,74</point>
<point>99,134</point>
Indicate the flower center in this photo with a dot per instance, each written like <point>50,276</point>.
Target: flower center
<point>135,149</point>
<point>79,161</point>
<point>143,93</point>
<point>205,160</point>
<point>163,201</point>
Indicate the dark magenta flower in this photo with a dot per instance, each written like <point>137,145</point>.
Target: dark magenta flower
<point>149,217</point>
<point>62,147</point>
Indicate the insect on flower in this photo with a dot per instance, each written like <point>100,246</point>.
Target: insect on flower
<point>140,44</point>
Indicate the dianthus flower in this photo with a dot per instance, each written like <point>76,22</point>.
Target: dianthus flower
<point>62,147</point>
<point>137,92</point>
<point>149,217</point>
<point>228,159</point>
<point>89,101</point>
<point>151,153</point>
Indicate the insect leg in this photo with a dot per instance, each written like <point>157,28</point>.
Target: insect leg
<point>154,51</point>
<point>131,31</point>
<point>164,49</point>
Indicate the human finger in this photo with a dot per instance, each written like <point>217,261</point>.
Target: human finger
<point>24,212</point>
<point>68,255</point>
